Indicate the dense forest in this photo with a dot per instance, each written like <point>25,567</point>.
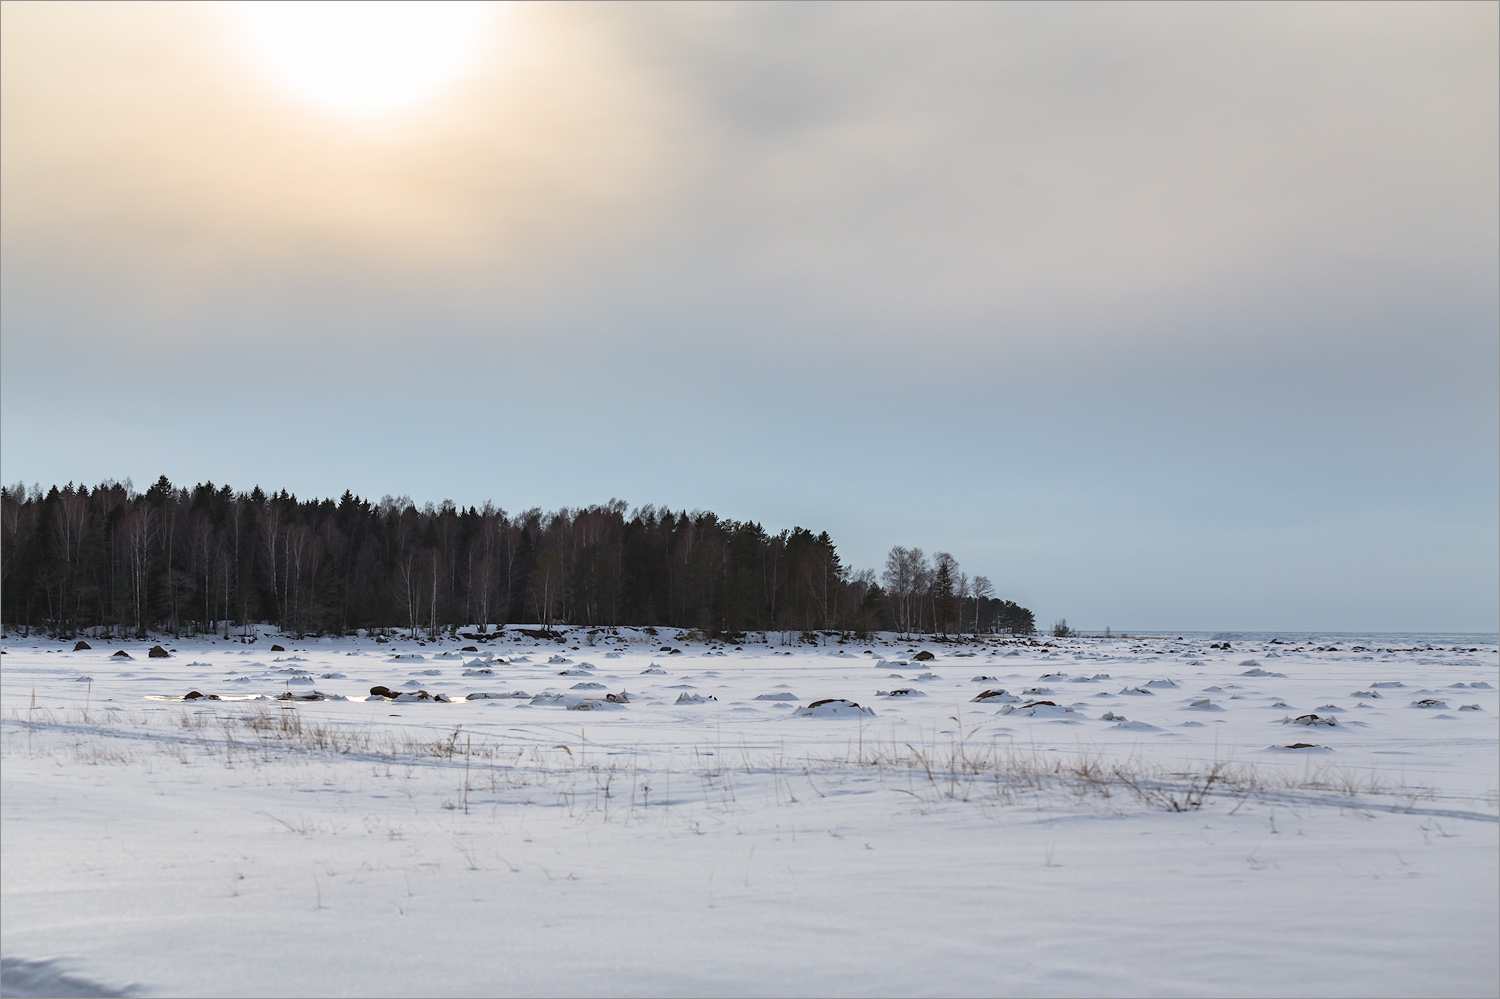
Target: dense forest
<point>114,561</point>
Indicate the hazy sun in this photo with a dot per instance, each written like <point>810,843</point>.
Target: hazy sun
<point>365,57</point>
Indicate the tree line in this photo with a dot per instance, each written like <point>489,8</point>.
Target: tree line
<point>207,558</point>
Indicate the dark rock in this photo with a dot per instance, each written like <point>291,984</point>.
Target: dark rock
<point>469,648</point>
<point>122,654</point>
<point>157,652</point>
<point>985,695</point>
<point>81,646</point>
<point>923,656</point>
<point>380,690</point>
<point>277,648</point>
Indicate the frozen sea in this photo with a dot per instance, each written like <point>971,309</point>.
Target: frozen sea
<point>631,813</point>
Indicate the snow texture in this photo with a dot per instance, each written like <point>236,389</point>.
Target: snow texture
<point>459,836</point>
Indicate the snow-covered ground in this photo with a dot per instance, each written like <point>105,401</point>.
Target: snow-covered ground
<point>1126,818</point>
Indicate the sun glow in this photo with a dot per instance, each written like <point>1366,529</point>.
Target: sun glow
<point>366,57</point>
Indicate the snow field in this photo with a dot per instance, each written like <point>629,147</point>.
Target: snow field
<point>730,845</point>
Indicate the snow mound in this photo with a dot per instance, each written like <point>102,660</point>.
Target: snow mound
<point>1161,683</point>
<point>832,707</point>
<point>607,702</point>
<point>311,695</point>
<point>1136,726</point>
<point>780,695</point>
<point>504,695</point>
<point>1137,690</point>
<point>900,692</point>
<point>686,698</point>
<point>998,696</point>
<point>1310,721</point>
<point>1038,709</point>
<point>1257,671</point>
<point>1429,702</point>
<point>588,685</point>
<point>27,979</point>
<point>1300,747</point>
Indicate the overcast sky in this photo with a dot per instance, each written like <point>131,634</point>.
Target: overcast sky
<point>1160,316</point>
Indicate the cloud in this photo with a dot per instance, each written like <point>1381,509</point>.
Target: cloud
<point>1010,279</point>
<point>963,172</point>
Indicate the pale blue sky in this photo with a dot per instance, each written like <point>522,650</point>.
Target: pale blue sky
<point>1159,316</point>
